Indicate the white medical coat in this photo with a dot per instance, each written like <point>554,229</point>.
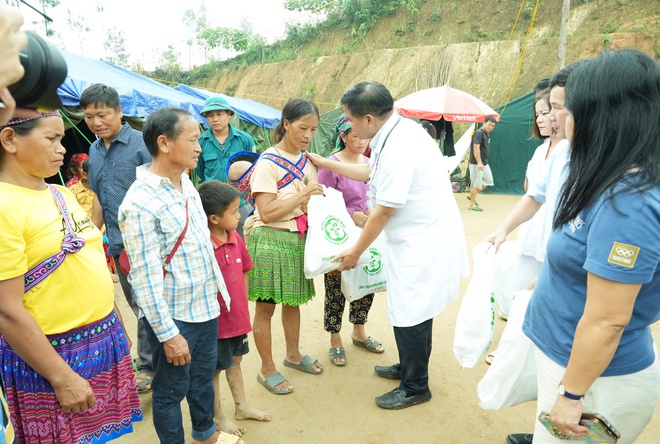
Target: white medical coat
<point>426,248</point>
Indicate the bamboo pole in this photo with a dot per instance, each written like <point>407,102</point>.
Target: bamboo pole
<point>563,34</point>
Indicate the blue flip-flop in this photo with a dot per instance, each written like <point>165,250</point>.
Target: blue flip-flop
<point>305,365</point>
<point>273,381</point>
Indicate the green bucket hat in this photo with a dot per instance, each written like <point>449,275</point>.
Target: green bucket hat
<point>216,103</point>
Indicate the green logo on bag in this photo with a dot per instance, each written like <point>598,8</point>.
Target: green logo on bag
<point>375,263</point>
<point>334,230</point>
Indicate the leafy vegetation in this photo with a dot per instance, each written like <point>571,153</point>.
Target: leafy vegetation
<point>115,48</point>
<point>356,17</point>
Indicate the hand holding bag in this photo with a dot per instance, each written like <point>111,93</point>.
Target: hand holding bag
<point>371,278</point>
<point>330,231</point>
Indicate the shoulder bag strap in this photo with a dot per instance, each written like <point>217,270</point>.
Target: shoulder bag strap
<point>71,244</point>
<point>180,239</point>
<point>293,171</point>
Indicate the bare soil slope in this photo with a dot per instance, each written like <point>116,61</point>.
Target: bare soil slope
<point>463,43</point>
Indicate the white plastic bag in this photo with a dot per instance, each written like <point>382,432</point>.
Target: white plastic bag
<point>511,378</point>
<point>505,281</point>
<point>476,317</point>
<point>361,281</point>
<point>330,231</point>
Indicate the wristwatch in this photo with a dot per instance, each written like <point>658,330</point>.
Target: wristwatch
<point>562,391</point>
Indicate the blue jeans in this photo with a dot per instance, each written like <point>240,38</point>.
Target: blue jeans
<point>192,381</point>
<point>414,344</point>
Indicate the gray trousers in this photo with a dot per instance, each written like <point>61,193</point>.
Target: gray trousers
<point>145,362</point>
<point>245,212</point>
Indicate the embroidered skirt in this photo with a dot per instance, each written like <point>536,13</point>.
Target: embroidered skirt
<point>99,353</point>
<point>278,275</point>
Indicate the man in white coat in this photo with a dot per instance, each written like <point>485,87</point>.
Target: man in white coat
<point>411,199</point>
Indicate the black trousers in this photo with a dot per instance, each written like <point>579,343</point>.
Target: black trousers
<point>335,300</point>
<point>414,345</point>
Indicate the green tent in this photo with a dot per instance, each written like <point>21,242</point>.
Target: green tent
<point>323,141</point>
<point>262,136</point>
<point>511,147</point>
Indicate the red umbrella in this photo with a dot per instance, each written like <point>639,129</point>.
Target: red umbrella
<point>447,102</point>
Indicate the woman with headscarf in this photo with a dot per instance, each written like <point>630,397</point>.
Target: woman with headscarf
<point>77,183</point>
<point>350,149</point>
<point>64,354</point>
<point>75,169</point>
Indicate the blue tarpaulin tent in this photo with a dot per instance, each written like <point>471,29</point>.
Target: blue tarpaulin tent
<point>139,95</point>
<point>253,112</point>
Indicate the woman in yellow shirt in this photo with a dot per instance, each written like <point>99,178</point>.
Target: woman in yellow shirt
<point>64,355</point>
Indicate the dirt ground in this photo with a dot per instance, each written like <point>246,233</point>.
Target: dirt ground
<point>338,406</point>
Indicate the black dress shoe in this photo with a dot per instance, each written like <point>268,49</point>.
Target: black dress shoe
<point>520,438</point>
<point>398,399</point>
<point>388,371</point>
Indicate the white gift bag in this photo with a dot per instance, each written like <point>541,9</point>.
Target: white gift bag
<point>511,378</point>
<point>476,317</point>
<point>330,231</point>
<point>371,278</point>
<point>505,280</point>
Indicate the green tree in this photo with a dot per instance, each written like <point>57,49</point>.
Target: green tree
<point>227,38</point>
<point>308,5</point>
<point>169,67</point>
<point>44,4</point>
<point>170,57</point>
<point>77,23</point>
<point>48,3</point>
<point>115,48</point>
<point>198,26</point>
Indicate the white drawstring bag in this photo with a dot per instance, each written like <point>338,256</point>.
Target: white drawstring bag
<point>511,378</point>
<point>330,231</point>
<point>371,278</point>
<point>476,317</point>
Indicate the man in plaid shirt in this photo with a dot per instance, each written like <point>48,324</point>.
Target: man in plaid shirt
<point>177,300</point>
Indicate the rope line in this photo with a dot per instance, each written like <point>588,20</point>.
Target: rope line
<point>506,50</point>
<point>521,58</point>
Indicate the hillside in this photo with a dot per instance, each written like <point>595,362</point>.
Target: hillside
<point>463,43</point>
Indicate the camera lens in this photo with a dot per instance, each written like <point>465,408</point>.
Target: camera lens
<point>45,70</point>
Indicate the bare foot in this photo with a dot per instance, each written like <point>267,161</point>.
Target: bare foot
<point>228,426</point>
<point>251,413</point>
<point>211,440</point>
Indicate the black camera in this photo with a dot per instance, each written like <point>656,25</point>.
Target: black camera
<point>45,70</point>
